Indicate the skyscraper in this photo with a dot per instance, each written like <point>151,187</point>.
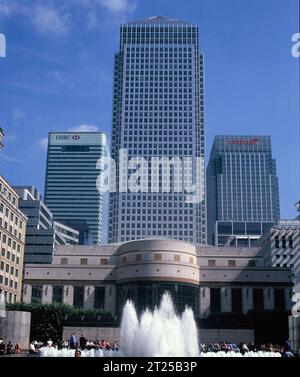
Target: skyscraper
<point>12,239</point>
<point>242,189</point>
<point>158,110</point>
<point>42,233</point>
<point>1,138</point>
<point>71,191</point>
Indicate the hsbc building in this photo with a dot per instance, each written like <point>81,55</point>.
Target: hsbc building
<point>70,185</point>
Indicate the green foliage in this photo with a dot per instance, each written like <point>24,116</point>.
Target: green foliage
<point>47,319</point>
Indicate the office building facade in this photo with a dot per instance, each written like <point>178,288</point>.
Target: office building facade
<point>158,111</point>
<point>210,280</point>
<point>242,187</point>
<point>12,240</point>
<point>42,232</point>
<point>281,247</point>
<point>71,191</point>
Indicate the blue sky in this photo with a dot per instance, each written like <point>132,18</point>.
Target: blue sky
<point>58,74</point>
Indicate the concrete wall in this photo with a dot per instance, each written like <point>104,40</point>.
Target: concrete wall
<point>226,335</point>
<point>205,335</point>
<point>94,333</point>
<point>15,327</point>
<point>294,332</point>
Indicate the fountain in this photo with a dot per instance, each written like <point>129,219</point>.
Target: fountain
<point>161,333</point>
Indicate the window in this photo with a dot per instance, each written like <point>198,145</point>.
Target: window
<point>57,296</point>
<point>64,261</point>
<point>103,261</point>
<point>252,263</point>
<point>176,258</point>
<point>139,258</point>
<point>36,294</point>
<point>157,257</point>
<point>283,240</point>
<point>83,261</point>
<point>237,301</point>
<point>215,300</point>
<point>191,260</point>
<point>78,297</point>
<point>291,242</point>
<point>279,299</point>
<point>258,299</point>
<point>211,263</point>
<point>231,263</point>
<point>277,242</point>
<point>99,297</point>
<point>124,259</point>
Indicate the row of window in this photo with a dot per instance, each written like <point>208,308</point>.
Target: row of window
<point>7,240</point>
<point>84,261</point>
<point>10,256</point>
<point>285,242</point>
<point>8,297</point>
<point>78,296</point>
<point>8,282</point>
<point>237,299</point>
<point>7,194</point>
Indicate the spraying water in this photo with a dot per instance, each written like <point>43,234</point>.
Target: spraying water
<point>159,333</point>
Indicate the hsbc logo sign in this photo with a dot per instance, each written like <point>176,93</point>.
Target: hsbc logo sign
<point>244,142</point>
<point>67,137</point>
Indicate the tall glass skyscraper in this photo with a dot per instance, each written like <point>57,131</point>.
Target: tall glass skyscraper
<point>158,110</point>
<point>71,183</point>
<point>242,187</point>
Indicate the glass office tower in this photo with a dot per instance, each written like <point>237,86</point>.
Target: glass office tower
<point>242,189</point>
<point>71,183</point>
<point>158,110</point>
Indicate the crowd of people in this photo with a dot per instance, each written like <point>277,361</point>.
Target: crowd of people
<point>285,350</point>
<point>8,348</point>
<point>81,343</point>
<point>76,344</point>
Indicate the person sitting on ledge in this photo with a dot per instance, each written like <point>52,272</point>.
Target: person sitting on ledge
<point>17,349</point>
<point>32,348</point>
<point>2,347</point>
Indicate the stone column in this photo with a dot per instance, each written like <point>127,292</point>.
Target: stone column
<point>27,291</point>
<point>110,299</point>
<point>68,295</point>
<point>226,304</point>
<point>204,302</point>
<point>247,299</point>
<point>287,298</point>
<point>294,333</point>
<point>47,294</point>
<point>89,297</point>
<point>269,298</point>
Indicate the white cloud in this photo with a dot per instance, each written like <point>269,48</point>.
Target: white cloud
<point>43,143</point>
<point>45,18</point>
<point>119,6</point>
<point>49,20</point>
<point>18,114</point>
<point>84,128</point>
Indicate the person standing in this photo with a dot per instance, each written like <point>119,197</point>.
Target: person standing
<point>9,348</point>
<point>73,341</point>
<point>82,342</point>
